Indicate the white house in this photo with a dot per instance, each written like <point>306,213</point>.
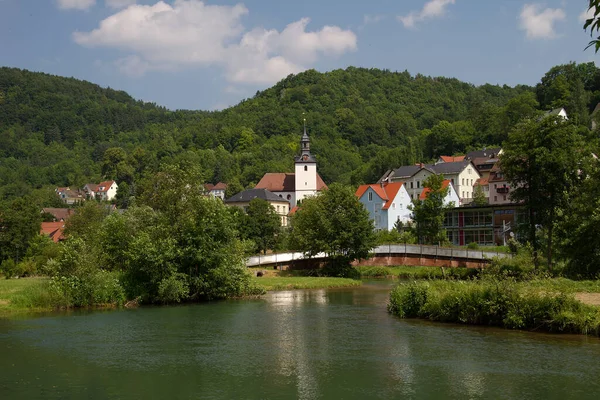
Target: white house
<point>107,190</point>
<point>217,190</point>
<point>303,183</point>
<point>462,175</point>
<point>451,198</point>
<point>387,203</point>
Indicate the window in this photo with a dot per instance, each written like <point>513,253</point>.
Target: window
<point>306,168</point>
<point>277,208</point>
<point>495,186</point>
<point>370,196</point>
<point>463,181</point>
<point>495,198</point>
<point>418,184</point>
<point>452,181</point>
<point>289,196</point>
<point>394,206</point>
<point>411,185</point>
<point>504,197</point>
<point>469,171</point>
<point>305,184</point>
<point>463,194</point>
<point>471,182</point>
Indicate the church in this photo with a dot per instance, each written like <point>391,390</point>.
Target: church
<point>294,187</point>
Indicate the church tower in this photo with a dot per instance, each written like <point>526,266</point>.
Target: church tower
<point>306,170</point>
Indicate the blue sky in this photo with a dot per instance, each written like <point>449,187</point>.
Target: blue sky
<point>212,54</point>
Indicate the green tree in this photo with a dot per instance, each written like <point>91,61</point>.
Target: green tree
<point>593,23</point>
<point>429,214</point>
<point>19,223</point>
<point>541,161</point>
<point>262,224</point>
<point>479,198</point>
<point>336,223</point>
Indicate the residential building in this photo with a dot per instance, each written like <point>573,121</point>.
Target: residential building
<point>69,196</point>
<point>485,153</point>
<point>90,190</point>
<point>462,174</point>
<point>485,187</point>
<point>444,159</point>
<point>387,203</point>
<point>54,230</point>
<point>59,214</point>
<point>106,190</point>
<point>217,190</point>
<point>499,187</point>
<point>559,112</point>
<point>243,199</point>
<point>304,182</point>
<point>451,198</point>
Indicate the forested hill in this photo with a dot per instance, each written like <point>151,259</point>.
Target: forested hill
<point>58,131</point>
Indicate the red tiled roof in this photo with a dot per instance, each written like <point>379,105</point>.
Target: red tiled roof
<point>482,182</point>
<point>59,213</point>
<point>53,229</point>
<point>209,186</point>
<point>284,182</point>
<point>386,191</point>
<point>294,210</point>
<point>452,158</point>
<point>426,190</point>
<point>104,186</point>
<point>219,186</point>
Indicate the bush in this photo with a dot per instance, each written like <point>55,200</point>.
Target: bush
<point>173,289</point>
<point>8,268</point>
<point>473,246</point>
<point>496,303</point>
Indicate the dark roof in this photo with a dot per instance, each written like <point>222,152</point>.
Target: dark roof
<point>556,111</point>
<point>484,153</point>
<point>406,172</point>
<point>449,167</point>
<point>305,158</point>
<point>59,213</point>
<point>251,194</point>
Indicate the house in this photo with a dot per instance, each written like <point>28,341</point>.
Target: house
<point>485,187</point>
<point>90,190</point>
<point>106,191</point>
<point>304,182</point>
<point>499,187</point>
<point>444,159</point>
<point>243,199</point>
<point>59,214</point>
<point>69,196</point>
<point>217,190</point>
<point>485,153</point>
<point>451,198</point>
<point>387,203</point>
<point>54,230</point>
<point>559,112</point>
<point>462,174</point>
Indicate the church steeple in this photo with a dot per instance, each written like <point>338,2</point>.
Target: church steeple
<point>305,142</point>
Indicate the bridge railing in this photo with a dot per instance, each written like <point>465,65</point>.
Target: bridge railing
<point>386,250</point>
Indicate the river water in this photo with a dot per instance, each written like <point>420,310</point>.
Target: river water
<point>313,344</point>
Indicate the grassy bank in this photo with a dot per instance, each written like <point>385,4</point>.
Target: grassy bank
<point>303,282</point>
<point>409,272</point>
<point>20,296</point>
<point>545,305</point>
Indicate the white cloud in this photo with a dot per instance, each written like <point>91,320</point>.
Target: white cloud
<point>431,9</point>
<point>75,4</point>
<point>538,23</point>
<point>586,15</point>
<point>190,33</point>
<point>119,3</point>
<point>372,19</point>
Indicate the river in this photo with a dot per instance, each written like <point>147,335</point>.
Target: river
<point>312,344</point>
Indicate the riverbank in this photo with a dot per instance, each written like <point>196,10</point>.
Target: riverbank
<point>551,305</point>
<point>410,272</point>
<point>22,296</point>
<point>273,280</point>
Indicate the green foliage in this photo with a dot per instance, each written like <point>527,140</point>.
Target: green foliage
<point>593,23</point>
<point>261,224</point>
<point>541,160</point>
<point>394,236</point>
<point>336,223</point>
<point>173,289</point>
<point>19,224</point>
<point>429,213</point>
<point>495,303</point>
<point>479,198</point>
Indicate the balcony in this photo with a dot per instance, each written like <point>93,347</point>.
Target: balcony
<point>503,189</point>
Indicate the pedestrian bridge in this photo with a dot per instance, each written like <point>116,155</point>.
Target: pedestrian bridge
<point>394,254</point>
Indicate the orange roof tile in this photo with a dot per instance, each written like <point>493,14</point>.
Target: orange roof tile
<point>104,186</point>
<point>426,190</point>
<point>53,229</point>
<point>452,158</point>
<point>386,191</point>
<point>482,181</point>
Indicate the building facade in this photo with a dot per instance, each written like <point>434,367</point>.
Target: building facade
<point>387,203</point>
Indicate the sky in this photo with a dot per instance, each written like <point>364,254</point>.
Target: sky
<point>209,55</point>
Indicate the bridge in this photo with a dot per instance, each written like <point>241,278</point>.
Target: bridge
<point>387,255</point>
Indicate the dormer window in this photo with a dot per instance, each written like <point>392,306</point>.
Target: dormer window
<point>306,168</point>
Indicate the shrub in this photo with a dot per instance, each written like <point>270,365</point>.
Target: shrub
<point>173,289</point>
<point>408,301</point>
<point>8,268</point>
<point>473,246</point>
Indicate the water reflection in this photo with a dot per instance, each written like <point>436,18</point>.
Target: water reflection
<point>315,344</point>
